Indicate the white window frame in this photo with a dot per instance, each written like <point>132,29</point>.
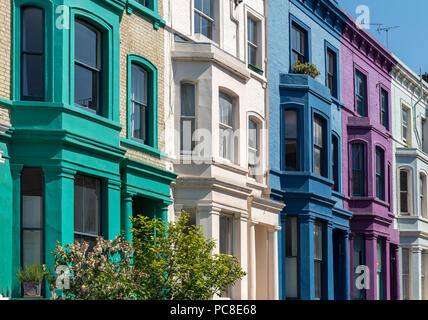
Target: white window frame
<point>231,237</point>
<point>225,127</point>
<point>409,172</point>
<point>194,118</point>
<point>406,277</point>
<point>423,195</point>
<point>213,19</point>
<point>408,138</point>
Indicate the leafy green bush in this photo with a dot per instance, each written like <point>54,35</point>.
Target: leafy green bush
<point>177,263</point>
<point>31,273</point>
<point>305,68</point>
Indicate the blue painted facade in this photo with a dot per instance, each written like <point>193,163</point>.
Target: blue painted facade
<point>309,197</point>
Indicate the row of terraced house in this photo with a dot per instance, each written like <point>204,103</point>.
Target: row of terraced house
<point>112,108</point>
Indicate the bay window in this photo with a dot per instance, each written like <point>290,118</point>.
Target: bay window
<point>318,259</point>
<point>358,169</point>
<point>422,195</point>
<point>404,192</point>
<point>253,147</point>
<point>87,209</point>
<point>380,174</point>
<point>319,146</point>
<point>291,257</point>
<point>405,272</point>
<point>188,117</point>
<point>32,218</point>
<point>87,66</point>
<point>291,142</point>
<point>226,126</point>
<point>226,243</point>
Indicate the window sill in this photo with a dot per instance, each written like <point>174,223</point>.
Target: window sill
<point>255,69</point>
<point>143,148</point>
<point>146,12</point>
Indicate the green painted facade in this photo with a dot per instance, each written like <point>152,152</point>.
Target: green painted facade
<point>64,140</point>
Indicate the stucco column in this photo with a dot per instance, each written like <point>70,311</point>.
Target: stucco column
<point>346,266</point>
<point>59,210</point>
<point>281,258</point>
<point>328,269</point>
<point>371,262</point>
<point>241,244</point>
<point>113,227</point>
<point>397,273</point>
<point>126,214</point>
<point>16,170</point>
<point>273,263</point>
<point>252,264</point>
<point>209,219</point>
<point>416,273</point>
<point>387,275</point>
<point>306,257</point>
<point>163,212</point>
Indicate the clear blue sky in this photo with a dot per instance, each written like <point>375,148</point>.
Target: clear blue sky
<point>410,41</point>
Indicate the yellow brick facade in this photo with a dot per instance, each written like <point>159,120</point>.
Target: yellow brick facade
<point>5,57</point>
<point>138,36</point>
<point>5,50</point>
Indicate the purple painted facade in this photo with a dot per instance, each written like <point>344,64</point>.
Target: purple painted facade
<point>372,224</point>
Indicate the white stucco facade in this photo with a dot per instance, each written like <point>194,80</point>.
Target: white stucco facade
<point>410,133</point>
<point>216,184</point>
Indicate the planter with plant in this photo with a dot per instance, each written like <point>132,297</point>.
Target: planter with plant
<point>31,278</point>
<point>305,68</point>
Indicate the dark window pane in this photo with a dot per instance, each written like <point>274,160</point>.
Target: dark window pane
<point>86,45</point>
<point>403,180</point>
<point>92,206</point>
<point>33,76</point>
<point>139,85</point>
<point>31,247</point>
<point>291,149</point>
<point>86,87</point>
<point>79,205</point>
<point>139,121</point>
<point>87,207</point>
<point>188,99</point>
<point>32,30</point>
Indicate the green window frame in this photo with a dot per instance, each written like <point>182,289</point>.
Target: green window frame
<point>148,9</point>
<point>357,157</point>
<point>150,144</point>
<point>380,174</point>
<point>107,83</point>
<point>360,93</point>
<point>17,52</point>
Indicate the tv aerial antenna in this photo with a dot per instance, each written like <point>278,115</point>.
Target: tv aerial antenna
<point>381,29</point>
<point>386,29</point>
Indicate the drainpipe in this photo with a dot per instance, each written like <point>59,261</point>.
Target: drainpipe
<point>415,130</point>
<point>267,93</point>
